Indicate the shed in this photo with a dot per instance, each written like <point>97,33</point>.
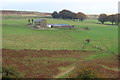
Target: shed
<point>40,23</point>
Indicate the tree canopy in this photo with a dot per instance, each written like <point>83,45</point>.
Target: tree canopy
<point>81,16</point>
<point>55,14</point>
<point>67,14</point>
<point>102,18</point>
<point>113,18</point>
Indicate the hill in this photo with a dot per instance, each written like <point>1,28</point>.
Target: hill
<point>24,13</point>
<point>35,14</point>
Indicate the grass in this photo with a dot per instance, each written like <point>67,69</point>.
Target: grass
<point>17,35</point>
<point>99,55</point>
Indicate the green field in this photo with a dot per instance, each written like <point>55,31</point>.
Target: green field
<point>17,35</point>
<point>47,53</point>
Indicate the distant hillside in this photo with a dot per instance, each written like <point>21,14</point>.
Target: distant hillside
<point>24,13</point>
<point>35,13</point>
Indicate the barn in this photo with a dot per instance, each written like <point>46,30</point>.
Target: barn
<point>40,23</point>
<point>60,25</point>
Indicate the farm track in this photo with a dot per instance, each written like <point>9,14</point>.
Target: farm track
<point>65,72</point>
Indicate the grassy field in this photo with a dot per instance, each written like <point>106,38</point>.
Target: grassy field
<point>46,53</point>
<point>17,35</point>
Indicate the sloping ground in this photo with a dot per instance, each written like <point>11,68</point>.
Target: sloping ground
<point>41,63</point>
<point>47,63</point>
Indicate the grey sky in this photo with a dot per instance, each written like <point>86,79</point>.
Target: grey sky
<point>86,6</point>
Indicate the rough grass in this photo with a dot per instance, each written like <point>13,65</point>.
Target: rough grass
<point>99,67</point>
<point>92,70</point>
<point>41,63</point>
<point>49,63</point>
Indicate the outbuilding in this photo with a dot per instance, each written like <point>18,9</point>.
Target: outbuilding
<point>40,23</point>
<point>60,25</point>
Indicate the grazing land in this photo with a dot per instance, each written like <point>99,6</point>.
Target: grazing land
<point>17,35</point>
<point>48,53</point>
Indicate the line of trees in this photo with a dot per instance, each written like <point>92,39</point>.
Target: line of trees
<point>66,14</point>
<point>114,18</point>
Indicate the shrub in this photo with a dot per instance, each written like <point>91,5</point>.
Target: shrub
<point>84,72</point>
<point>87,73</point>
<point>9,72</point>
<point>87,41</point>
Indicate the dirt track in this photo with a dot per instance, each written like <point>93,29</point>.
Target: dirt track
<point>65,72</point>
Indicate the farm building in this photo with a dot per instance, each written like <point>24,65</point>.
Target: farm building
<point>60,25</point>
<point>40,23</point>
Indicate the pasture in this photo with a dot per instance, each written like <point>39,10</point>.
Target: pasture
<point>45,53</point>
<point>17,35</point>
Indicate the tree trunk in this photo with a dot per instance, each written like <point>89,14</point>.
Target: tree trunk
<point>112,23</point>
<point>102,22</point>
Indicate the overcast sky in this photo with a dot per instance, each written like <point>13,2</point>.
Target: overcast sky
<point>86,6</point>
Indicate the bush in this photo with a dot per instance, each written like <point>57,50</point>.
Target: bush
<point>84,72</point>
<point>87,73</point>
<point>9,72</point>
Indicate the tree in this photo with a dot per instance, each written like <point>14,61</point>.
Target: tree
<point>81,16</point>
<point>55,14</point>
<point>66,14</point>
<point>111,18</point>
<point>102,18</point>
<point>117,18</point>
